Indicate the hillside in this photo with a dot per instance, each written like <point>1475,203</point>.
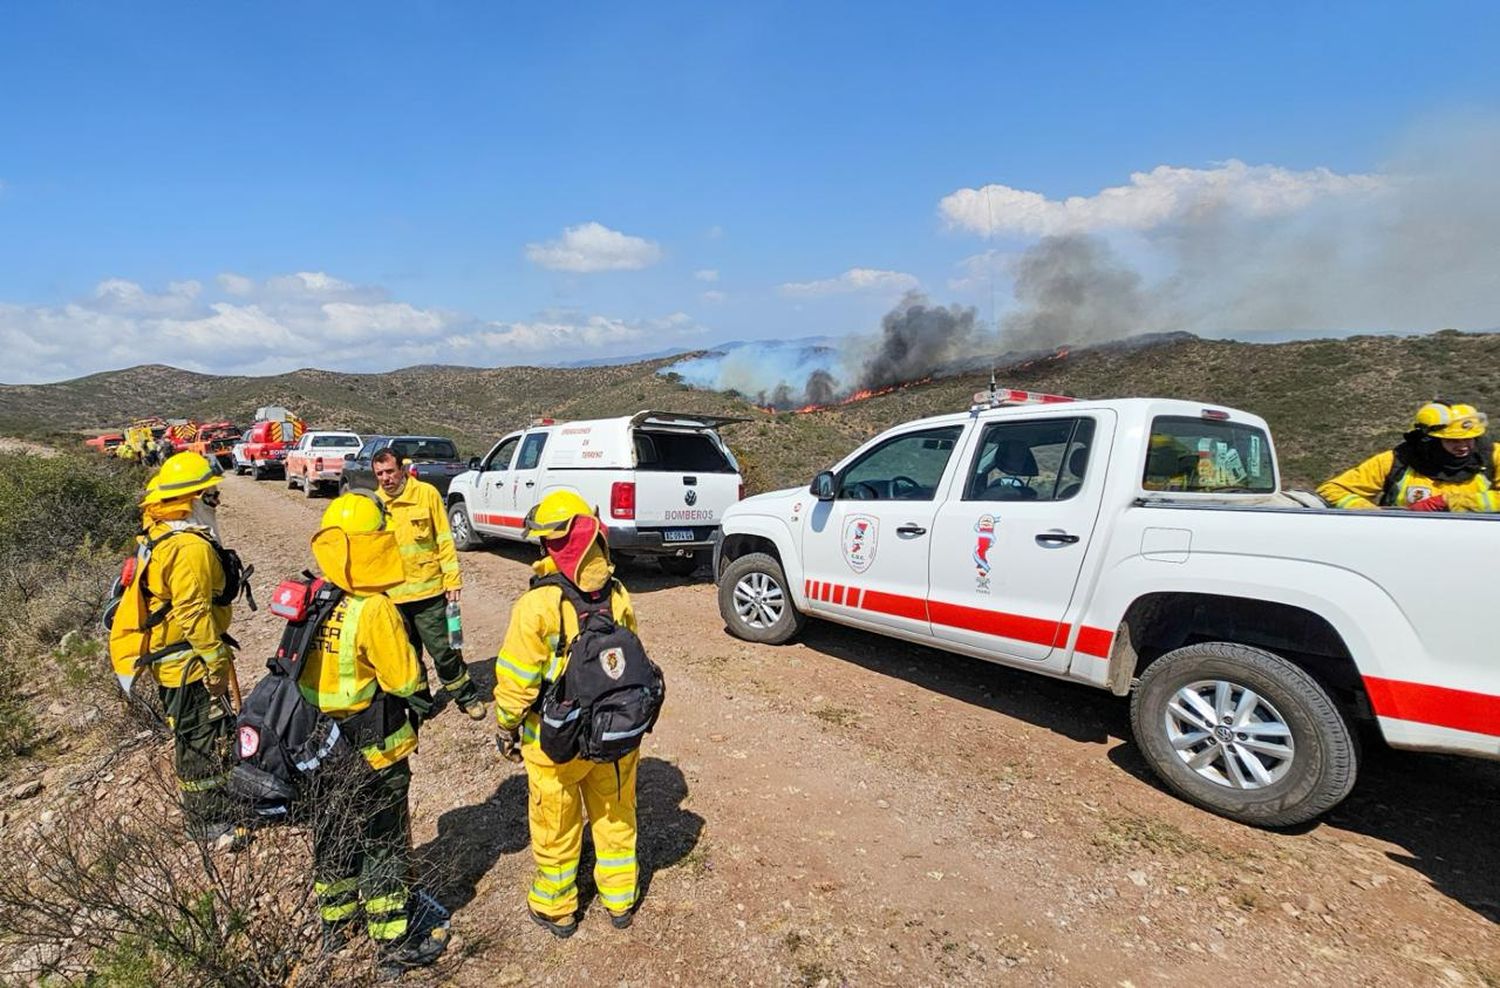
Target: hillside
<point>1329,402</point>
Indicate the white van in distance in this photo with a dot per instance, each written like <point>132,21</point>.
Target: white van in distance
<point>661,482</point>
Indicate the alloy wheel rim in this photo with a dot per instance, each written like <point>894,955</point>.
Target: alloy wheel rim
<point>1230,735</point>
<point>759,600</point>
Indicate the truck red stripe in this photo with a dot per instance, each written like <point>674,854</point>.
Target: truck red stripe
<point>1095,641</point>
<point>1440,706</point>
<point>1038,631</point>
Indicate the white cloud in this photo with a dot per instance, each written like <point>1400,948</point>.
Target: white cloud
<point>1152,199</point>
<point>235,284</point>
<point>707,274</point>
<point>856,280</point>
<point>713,295</point>
<point>592,247</point>
<point>290,321</point>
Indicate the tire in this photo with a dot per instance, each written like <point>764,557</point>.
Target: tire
<point>291,481</point>
<point>1265,787</point>
<point>757,583</point>
<point>239,471</point>
<point>680,565</point>
<point>465,539</point>
<point>256,473</point>
<point>309,489</point>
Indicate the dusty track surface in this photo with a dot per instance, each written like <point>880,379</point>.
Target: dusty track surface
<point>852,810</point>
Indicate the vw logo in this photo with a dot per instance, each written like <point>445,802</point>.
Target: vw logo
<point>691,497</point>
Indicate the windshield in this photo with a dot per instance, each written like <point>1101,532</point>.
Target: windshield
<point>1208,456</point>
<point>425,449</point>
<point>342,442</point>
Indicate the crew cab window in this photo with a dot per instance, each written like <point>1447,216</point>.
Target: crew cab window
<point>499,457</point>
<point>1209,456</point>
<point>1040,460</point>
<point>424,449</point>
<point>369,449</point>
<point>531,451</point>
<point>903,468</point>
<point>691,452</point>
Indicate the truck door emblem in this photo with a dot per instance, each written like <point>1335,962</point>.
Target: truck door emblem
<point>984,538</point>
<point>691,498</point>
<point>861,536</point>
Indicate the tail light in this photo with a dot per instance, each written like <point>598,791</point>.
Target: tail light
<point>622,500</point>
<point>411,471</point>
<point>741,495</point>
<point>318,464</point>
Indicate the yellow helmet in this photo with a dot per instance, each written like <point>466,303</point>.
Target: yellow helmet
<point>183,475</point>
<point>553,515</point>
<point>355,512</point>
<point>1444,421</point>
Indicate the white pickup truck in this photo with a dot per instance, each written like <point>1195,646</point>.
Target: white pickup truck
<point>660,480</point>
<point>1143,546</point>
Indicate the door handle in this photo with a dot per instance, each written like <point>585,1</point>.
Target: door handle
<point>532,483</point>
<point>1055,538</point>
<point>913,530</point>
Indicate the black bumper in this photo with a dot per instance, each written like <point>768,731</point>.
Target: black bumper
<point>650,541</point>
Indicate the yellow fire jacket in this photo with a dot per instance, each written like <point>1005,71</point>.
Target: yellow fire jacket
<point>362,648</point>
<point>420,522</point>
<point>184,571</point>
<point>540,623</point>
<point>1360,488</point>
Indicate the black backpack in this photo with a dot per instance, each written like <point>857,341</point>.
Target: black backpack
<point>282,740</point>
<point>611,693</point>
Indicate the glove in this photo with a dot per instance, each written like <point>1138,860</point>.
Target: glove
<point>508,744</point>
<point>1434,503</point>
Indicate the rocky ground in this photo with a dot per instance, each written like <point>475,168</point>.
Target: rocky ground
<point>853,810</point>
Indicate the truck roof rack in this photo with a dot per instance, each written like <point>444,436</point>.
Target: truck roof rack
<point>648,417</point>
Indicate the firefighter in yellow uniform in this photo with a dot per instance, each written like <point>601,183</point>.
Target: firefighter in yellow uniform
<point>420,523</point>
<point>533,654</point>
<point>1445,463</point>
<point>172,620</point>
<point>361,658</point>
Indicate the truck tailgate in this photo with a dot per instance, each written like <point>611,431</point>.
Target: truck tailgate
<point>667,499</point>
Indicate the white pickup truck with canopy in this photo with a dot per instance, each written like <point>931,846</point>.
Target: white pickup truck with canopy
<point>661,481</point>
<point>1142,546</point>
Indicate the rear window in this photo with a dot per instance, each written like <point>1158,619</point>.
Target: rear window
<point>425,449</point>
<point>686,452</point>
<point>1208,456</point>
<point>341,442</point>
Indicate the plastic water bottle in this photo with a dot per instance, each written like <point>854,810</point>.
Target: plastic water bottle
<point>455,627</point>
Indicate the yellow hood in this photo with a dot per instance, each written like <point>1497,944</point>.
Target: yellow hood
<point>363,563</point>
<point>160,511</point>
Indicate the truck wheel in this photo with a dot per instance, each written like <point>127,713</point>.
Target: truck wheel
<point>291,482</point>
<point>256,473</point>
<point>755,603</point>
<point>465,539</point>
<point>681,565</point>
<point>1244,733</point>
<point>309,489</point>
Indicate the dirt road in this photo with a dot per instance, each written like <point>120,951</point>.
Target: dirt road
<point>852,810</point>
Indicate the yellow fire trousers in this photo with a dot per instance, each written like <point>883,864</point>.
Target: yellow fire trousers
<point>559,796</point>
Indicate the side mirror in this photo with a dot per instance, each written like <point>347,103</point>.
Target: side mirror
<point>473,463</point>
<point>824,486</point>
<point>350,457</point>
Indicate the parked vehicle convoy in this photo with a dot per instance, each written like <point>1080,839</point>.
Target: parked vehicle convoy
<point>262,451</point>
<point>1142,546</point>
<point>430,458</point>
<point>661,481</point>
<point>316,463</point>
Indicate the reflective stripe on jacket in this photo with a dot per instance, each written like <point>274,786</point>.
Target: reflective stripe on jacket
<point>1360,488</point>
<point>530,654</point>
<point>419,521</point>
<point>362,648</point>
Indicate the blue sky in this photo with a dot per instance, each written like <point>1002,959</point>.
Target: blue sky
<point>258,186</point>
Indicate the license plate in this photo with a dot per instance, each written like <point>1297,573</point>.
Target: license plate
<point>678,535</point>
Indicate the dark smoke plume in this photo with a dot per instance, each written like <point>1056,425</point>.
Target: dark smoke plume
<point>1073,289</point>
<point>915,338</point>
<point>821,389</point>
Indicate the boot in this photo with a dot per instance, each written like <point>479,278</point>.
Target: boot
<point>420,950</point>
<point>560,928</point>
<point>473,706</point>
